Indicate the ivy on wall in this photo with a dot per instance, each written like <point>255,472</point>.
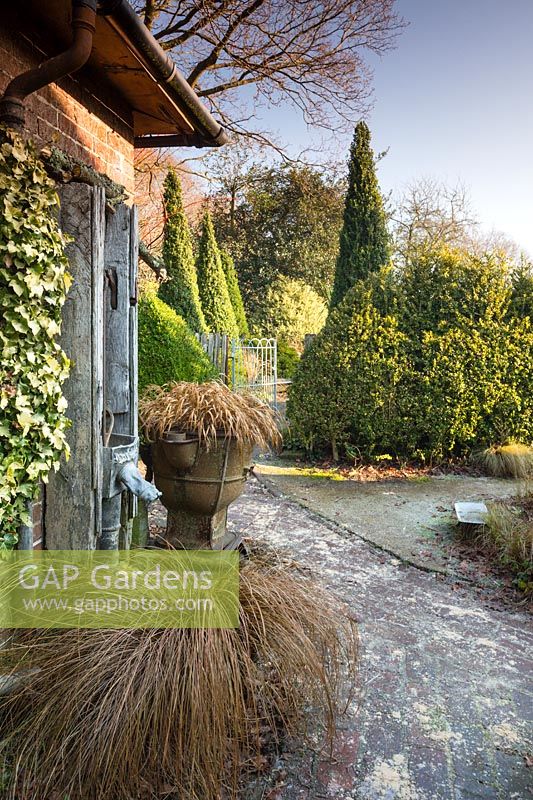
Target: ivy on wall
<point>33,286</point>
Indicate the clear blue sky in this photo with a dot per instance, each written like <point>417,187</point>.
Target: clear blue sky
<point>455,101</point>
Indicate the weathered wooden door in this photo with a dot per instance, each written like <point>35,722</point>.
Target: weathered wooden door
<point>99,335</point>
<point>120,338</point>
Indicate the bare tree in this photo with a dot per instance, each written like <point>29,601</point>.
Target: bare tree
<point>494,241</point>
<point>231,171</point>
<point>309,53</point>
<point>430,214</point>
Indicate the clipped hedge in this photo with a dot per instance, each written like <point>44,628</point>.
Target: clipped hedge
<point>427,364</point>
<point>473,388</point>
<point>522,290</point>
<point>168,350</point>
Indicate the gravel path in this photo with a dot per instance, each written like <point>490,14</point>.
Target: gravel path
<point>445,679</point>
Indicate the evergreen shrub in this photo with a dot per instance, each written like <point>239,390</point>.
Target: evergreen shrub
<point>180,291</point>
<point>232,282</point>
<point>346,381</point>
<point>428,363</point>
<point>291,309</point>
<point>288,359</point>
<point>168,350</point>
<point>364,245</point>
<point>214,294</point>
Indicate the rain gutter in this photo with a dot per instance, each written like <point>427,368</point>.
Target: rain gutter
<point>209,132</point>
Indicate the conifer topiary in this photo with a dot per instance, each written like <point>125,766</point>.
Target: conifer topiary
<point>345,387</point>
<point>214,294</point>
<point>364,239</point>
<point>235,293</point>
<point>180,291</point>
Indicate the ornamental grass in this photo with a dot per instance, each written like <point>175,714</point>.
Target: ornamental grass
<point>513,460</point>
<point>181,714</point>
<point>508,537</point>
<point>208,410</point>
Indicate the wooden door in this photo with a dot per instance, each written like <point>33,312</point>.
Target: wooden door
<point>120,337</point>
<point>99,335</point>
<point>73,495</point>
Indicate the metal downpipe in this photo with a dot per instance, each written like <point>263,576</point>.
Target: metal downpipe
<point>50,71</point>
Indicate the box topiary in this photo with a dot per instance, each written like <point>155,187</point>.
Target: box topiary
<point>345,381</point>
<point>168,350</point>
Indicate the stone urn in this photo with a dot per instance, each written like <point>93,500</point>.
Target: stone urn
<point>197,484</point>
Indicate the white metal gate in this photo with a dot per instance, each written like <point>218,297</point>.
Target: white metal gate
<point>254,368</point>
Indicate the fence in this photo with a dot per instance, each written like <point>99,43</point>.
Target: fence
<point>247,365</point>
<point>217,347</point>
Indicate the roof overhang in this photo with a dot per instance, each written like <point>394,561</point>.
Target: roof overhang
<point>127,60</point>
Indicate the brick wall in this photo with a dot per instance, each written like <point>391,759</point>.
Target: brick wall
<point>94,129</point>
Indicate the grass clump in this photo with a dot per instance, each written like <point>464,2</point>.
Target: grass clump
<point>513,460</point>
<point>508,537</point>
<point>118,714</point>
<point>208,410</point>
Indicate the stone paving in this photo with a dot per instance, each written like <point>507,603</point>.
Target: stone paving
<point>446,700</point>
<point>411,518</point>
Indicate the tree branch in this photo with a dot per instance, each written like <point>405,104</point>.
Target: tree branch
<point>156,264</point>
<point>309,54</point>
<point>212,58</point>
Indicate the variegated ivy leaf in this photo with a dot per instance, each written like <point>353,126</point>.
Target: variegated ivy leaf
<point>34,282</point>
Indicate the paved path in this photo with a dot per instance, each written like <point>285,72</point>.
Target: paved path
<point>412,518</point>
<point>446,690</point>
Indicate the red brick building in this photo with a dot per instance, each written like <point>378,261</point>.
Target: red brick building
<point>102,87</point>
<point>70,113</point>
